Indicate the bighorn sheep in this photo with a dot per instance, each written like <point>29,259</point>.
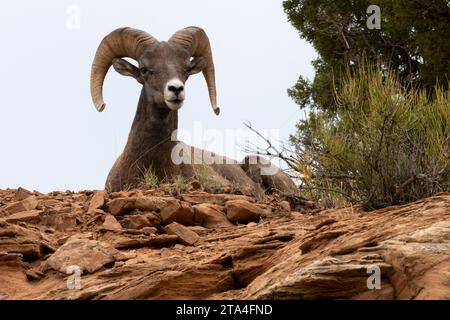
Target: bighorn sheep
<point>163,70</point>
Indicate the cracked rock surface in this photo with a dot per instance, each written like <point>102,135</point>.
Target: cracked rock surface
<point>151,244</point>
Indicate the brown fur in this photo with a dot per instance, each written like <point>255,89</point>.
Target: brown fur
<point>149,143</point>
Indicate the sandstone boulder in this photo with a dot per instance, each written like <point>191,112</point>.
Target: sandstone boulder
<point>32,216</point>
<point>124,205</point>
<point>136,221</point>
<point>22,194</point>
<point>210,216</point>
<point>26,204</point>
<point>243,211</point>
<point>111,224</point>
<point>154,203</point>
<point>153,218</point>
<point>149,230</point>
<point>88,255</point>
<point>159,241</point>
<point>30,243</point>
<point>180,212</point>
<point>60,220</point>
<point>120,205</point>
<point>219,199</point>
<point>97,200</point>
<point>185,235</point>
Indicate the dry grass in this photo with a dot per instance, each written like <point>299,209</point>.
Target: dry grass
<point>149,178</point>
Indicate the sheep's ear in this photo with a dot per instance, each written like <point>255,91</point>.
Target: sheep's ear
<point>197,65</point>
<point>127,69</point>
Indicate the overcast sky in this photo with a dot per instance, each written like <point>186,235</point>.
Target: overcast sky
<point>52,138</point>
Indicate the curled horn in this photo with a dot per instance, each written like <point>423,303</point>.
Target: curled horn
<point>122,42</point>
<point>196,41</point>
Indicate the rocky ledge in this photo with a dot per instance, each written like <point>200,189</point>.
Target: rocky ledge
<point>151,244</point>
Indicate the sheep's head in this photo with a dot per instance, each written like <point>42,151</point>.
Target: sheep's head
<point>163,67</point>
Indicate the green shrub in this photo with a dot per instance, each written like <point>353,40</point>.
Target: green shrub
<point>384,145</point>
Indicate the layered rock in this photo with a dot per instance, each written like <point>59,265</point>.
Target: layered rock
<point>149,244</point>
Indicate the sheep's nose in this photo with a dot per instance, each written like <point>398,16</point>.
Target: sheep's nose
<point>175,89</point>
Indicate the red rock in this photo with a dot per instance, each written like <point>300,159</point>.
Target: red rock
<point>97,200</point>
<point>296,214</point>
<point>135,222</point>
<point>118,194</point>
<point>159,241</point>
<point>220,199</point>
<point>154,203</point>
<point>210,216</point>
<point>243,211</point>
<point>88,255</point>
<point>123,205</point>
<point>22,194</point>
<point>201,231</point>
<point>111,224</point>
<point>322,254</point>
<point>120,206</point>
<point>186,236</point>
<point>5,256</point>
<point>32,216</point>
<point>149,230</point>
<point>29,241</point>
<point>50,203</point>
<point>59,220</point>
<point>180,212</point>
<point>27,204</point>
<point>153,218</point>
<point>29,249</point>
<point>34,274</point>
<point>80,197</point>
<point>285,205</point>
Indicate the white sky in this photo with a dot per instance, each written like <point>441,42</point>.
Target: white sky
<point>52,138</point>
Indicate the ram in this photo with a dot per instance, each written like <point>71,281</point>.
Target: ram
<point>163,68</point>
